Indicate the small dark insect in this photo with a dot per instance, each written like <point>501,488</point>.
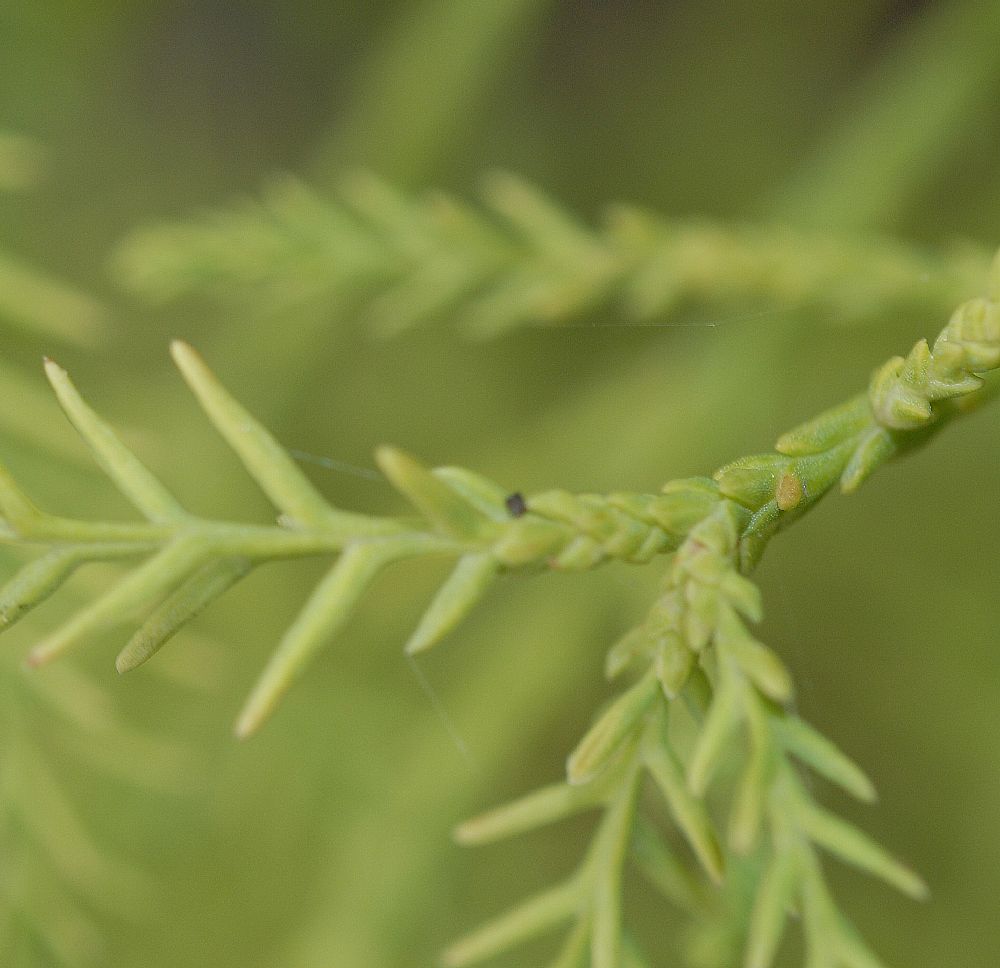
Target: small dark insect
<point>516,504</point>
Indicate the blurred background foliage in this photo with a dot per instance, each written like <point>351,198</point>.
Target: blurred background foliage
<point>134,831</point>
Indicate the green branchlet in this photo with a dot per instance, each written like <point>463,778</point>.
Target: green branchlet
<point>190,561</point>
<point>694,645</point>
<point>397,262</point>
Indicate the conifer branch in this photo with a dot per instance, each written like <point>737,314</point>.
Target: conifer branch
<point>395,262</point>
<point>695,644</point>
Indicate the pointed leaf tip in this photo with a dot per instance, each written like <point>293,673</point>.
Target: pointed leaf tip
<point>440,504</point>
<point>456,598</point>
<point>814,749</point>
<point>52,369</point>
<point>857,848</point>
<point>531,918</point>
<point>323,615</point>
<point>603,740</point>
<point>127,472</point>
<point>261,454</point>
<point>181,348</point>
<point>202,588</point>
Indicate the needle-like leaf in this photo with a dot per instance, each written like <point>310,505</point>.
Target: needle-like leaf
<point>202,588</point>
<point>815,750</point>
<point>688,811</point>
<point>721,722</point>
<point>533,917</point>
<point>857,848</point>
<point>151,581</point>
<point>266,460</point>
<point>129,473</point>
<point>770,912</point>
<point>444,507</point>
<point>464,588</point>
<point>326,611</point>
<point>38,579</point>
<point>610,851</point>
<point>544,806</point>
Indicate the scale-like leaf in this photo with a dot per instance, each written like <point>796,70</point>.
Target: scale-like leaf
<point>604,738</point>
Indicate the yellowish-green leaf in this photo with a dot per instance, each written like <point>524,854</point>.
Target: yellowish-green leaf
<point>44,575</point>
<point>874,448</point>
<point>674,662</point>
<point>752,480</point>
<point>152,580</point>
<point>463,589</point>
<point>610,850</point>
<point>775,897</point>
<point>541,807</point>
<point>575,950</point>
<point>746,816</point>
<point>445,508</point>
<point>757,662</point>
<point>265,459</point>
<point>530,919</point>
<point>633,645</point>
<point>200,590</point>
<point>857,848</point>
<point>828,429</point>
<point>816,751</point>
<point>689,812</point>
<point>486,496</point>
<point>529,539</point>
<point>663,869</point>
<point>327,609</point>
<point>605,737</point>
<point>16,508</point>
<point>131,476</point>
<point>713,740</point>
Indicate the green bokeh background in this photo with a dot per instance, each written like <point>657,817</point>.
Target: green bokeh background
<point>324,843</point>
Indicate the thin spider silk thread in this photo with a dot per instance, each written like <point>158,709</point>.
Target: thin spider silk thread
<point>437,704</point>
<point>447,720</point>
<point>332,464</point>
